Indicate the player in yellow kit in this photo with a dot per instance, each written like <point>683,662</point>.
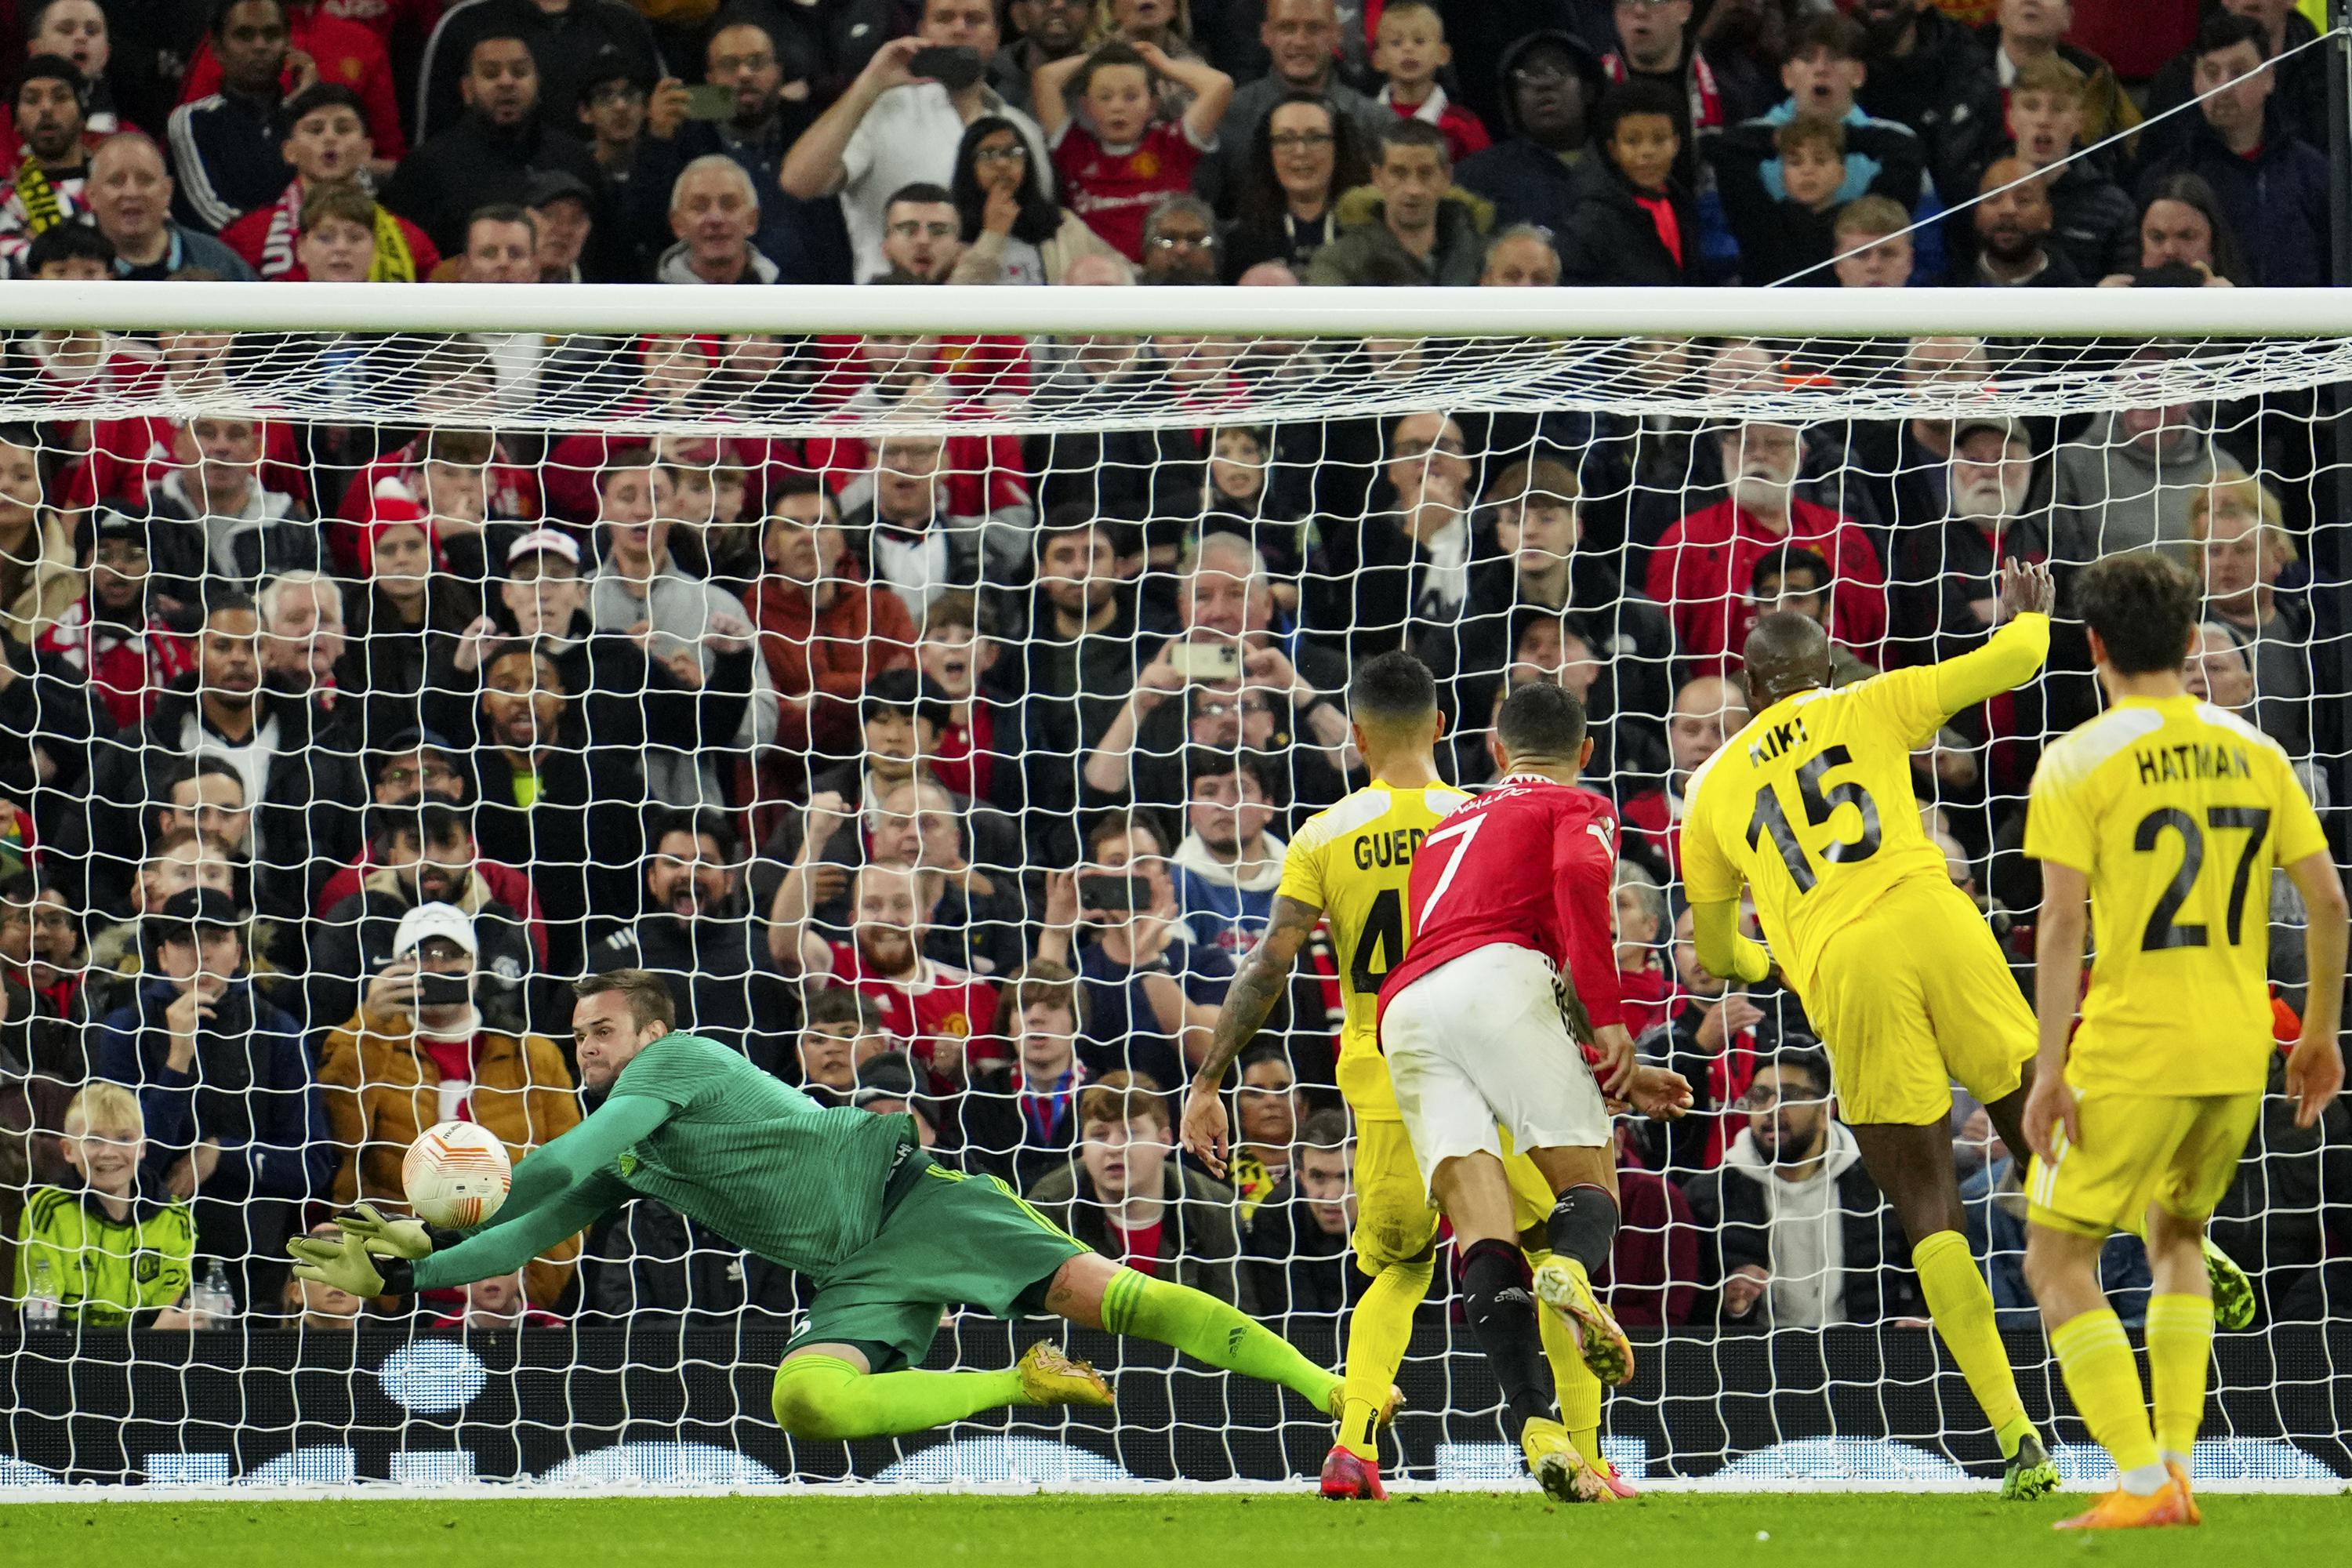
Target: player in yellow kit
<point>1811,807</point>
<point>1352,863</point>
<point>2166,815</point>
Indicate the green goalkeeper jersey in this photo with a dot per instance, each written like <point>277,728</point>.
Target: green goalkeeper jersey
<point>695,1125</point>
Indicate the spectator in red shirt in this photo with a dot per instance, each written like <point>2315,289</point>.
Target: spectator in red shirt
<point>1409,49</point>
<point>342,53</point>
<point>1117,157</point>
<point>498,1304</point>
<point>1707,712</point>
<point>1699,568</point>
<point>823,631</point>
<point>1640,906</point>
<point>324,135</point>
<point>936,1008</point>
<point>126,652</point>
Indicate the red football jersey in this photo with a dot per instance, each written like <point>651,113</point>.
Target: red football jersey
<point>1529,863</point>
<point>1115,191</point>
<point>941,1004</point>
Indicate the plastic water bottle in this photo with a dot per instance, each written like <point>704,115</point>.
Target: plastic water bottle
<point>42,1308</point>
<point>210,1301</point>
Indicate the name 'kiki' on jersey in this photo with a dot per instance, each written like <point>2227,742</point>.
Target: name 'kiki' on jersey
<point>2192,760</point>
<point>1779,741</point>
<point>1395,847</point>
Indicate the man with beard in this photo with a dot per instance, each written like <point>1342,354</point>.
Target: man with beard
<point>46,188</point>
<point>1925,71</point>
<point>1701,565</point>
<point>234,1122</point>
<point>937,1009</point>
<point>803,239</point>
<point>1947,568</point>
<point>489,155</point>
<point>304,784</point>
<point>1549,83</point>
<point>417,767</point>
<point>422,855</point>
<point>225,146</point>
<point>425,1046</point>
<point>2013,219</point>
<point>696,933</point>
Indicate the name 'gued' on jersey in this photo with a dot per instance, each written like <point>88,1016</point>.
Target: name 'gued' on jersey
<point>2176,811</point>
<point>1529,863</point>
<point>1353,861</point>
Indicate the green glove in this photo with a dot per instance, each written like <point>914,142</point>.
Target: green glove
<point>408,1238</point>
<point>345,1264</point>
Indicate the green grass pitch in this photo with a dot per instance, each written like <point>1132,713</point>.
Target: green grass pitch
<point>1259,1530</point>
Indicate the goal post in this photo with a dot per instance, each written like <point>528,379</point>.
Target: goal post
<point>588,608</point>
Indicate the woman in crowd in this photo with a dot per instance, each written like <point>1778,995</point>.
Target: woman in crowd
<point>2181,224</point>
<point>1302,156</point>
<point>1012,231</point>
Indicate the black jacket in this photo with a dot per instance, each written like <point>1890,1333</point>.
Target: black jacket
<point>474,164</point>
<point>225,159</point>
<point>654,1267</point>
<point>2276,203</point>
<point>282,540</point>
<point>1731,1209</point>
<point>1946,89</point>
<point>1526,181</point>
<point>718,976</point>
<point>806,239</point>
<point>992,1131</point>
<point>1294,1265</point>
<point>306,823</point>
<point>49,709</point>
<point>346,947</point>
<point>1610,237</point>
<point>1776,237</point>
<point>582,837</point>
<point>572,48</point>
<point>2300,95</point>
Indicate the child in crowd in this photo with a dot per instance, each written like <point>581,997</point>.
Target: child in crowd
<point>1631,221</point>
<point>109,1255</point>
<point>1787,232</point>
<point>1116,156</point>
<point>2097,223</point>
<point>1408,50</point>
<point>1870,245</point>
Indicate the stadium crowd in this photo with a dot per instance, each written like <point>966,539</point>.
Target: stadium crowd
<point>953,774</point>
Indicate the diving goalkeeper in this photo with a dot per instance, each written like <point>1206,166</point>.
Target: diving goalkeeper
<point>844,1197</point>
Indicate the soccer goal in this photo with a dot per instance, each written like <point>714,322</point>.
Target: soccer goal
<point>927,683</point>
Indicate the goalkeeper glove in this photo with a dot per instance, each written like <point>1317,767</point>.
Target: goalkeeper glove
<point>344,1263</point>
<point>405,1239</point>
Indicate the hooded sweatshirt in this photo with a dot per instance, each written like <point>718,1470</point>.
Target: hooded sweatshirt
<point>1806,1230</point>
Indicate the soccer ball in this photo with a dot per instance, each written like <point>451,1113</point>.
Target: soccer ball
<point>456,1175</point>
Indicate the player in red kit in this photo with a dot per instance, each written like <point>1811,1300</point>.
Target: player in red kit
<point>1512,970</point>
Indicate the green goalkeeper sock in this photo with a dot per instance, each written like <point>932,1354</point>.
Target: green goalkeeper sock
<point>823,1396</point>
<point>1208,1330</point>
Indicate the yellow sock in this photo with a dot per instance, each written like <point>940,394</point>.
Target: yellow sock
<point>2179,1351</point>
<point>1378,1331</point>
<point>1962,1308</point>
<point>2105,1381</point>
<point>1576,1389</point>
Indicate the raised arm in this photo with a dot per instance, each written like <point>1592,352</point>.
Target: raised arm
<point>1264,975</point>
<point>1212,90</point>
<point>813,166</point>
<point>1049,87</point>
<point>2012,653</point>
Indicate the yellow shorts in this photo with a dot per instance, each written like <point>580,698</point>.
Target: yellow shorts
<point>2177,1151</point>
<point>1396,1219</point>
<point>1913,998</point>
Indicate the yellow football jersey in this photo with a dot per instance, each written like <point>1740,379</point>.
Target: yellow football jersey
<point>2177,810</point>
<point>1812,806</point>
<point>1352,861</point>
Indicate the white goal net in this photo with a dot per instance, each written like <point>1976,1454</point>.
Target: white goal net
<point>927,686</point>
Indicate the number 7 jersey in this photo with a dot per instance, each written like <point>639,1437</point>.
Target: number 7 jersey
<point>1812,806</point>
<point>2176,811</point>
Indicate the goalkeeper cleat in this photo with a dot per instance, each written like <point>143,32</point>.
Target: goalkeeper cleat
<point>1565,1475</point>
<point>1336,1402</point>
<point>1562,1286</point>
<point>2120,1510</point>
<point>2233,1293</point>
<point>1051,1375</point>
<point>2188,1493</point>
<point>2030,1473</point>
<point>1350,1479</point>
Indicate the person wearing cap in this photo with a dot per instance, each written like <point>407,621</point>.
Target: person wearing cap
<point>233,1120</point>
<point>421,856</point>
<point>887,1086</point>
<point>770,73</point>
<point>46,189</point>
<point>418,1050</point>
<point>565,209</point>
<point>1947,558</point>
<point>325,136</point>
<point>695,930</point>
<point>109,636</point>
<point>129,196</point>
<point>224,146</point>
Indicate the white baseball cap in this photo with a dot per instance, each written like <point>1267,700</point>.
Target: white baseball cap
<point>435,919</point>
<point>552,540</point>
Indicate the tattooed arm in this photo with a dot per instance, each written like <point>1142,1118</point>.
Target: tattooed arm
<point>1256,989</point>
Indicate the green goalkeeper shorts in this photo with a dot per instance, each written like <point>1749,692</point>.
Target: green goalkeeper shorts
<point>950,1240</point>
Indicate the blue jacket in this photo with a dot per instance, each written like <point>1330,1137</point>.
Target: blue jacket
<point>2276,203</point>
<point>1224,913</point>
<point>249,1088</point>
